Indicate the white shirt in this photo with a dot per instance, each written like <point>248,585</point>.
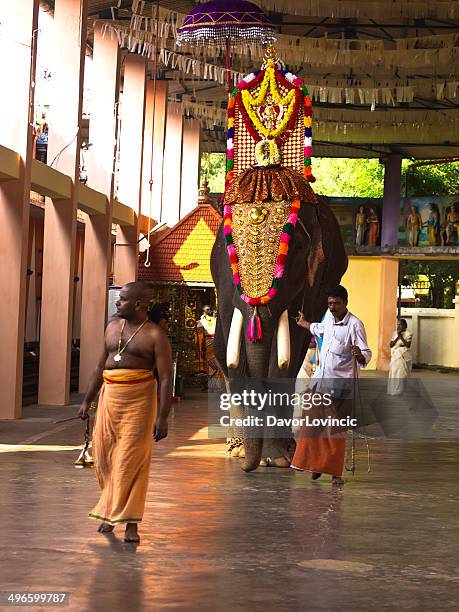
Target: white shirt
<point>338,338</point>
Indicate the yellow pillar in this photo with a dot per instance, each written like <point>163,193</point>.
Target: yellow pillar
<point>130,165</point>
<point>70,17</point>
<point>98,235</point>
<point>372,286</point>
<point>456,333</point>
<point>17,67</point>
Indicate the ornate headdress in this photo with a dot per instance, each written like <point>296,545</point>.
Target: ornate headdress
<point>268,173</point>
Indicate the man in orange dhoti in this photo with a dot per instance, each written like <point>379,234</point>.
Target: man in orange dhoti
<point>127,420</point>
<point>344,350</point>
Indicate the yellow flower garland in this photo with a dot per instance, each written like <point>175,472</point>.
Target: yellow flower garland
<point>249,102</point>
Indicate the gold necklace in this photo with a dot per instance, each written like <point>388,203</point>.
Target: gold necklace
<point>117,357</point>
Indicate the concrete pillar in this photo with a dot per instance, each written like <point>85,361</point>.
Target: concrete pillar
<point>387,310</point>
<point>70,18</point>
<point>391,201</point>
<point>130,165</point>
<point>456,332</point>
<point>170,205</point>
<point>19,21</point>
<point>190,166</point>
<point>154,132</point>
<point>100,164</point>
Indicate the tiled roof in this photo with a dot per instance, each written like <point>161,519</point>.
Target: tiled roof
<point>183,252</point>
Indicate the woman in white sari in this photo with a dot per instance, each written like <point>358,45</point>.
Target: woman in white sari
<point>400,362</point>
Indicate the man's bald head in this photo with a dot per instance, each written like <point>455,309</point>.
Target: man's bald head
<point>138,291</point>
<point>133,301</point>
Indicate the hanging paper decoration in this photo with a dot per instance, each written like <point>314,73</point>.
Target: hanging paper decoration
<point>217,21</point>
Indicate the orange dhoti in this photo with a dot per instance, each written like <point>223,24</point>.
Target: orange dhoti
<point>122,444</point>
<point>323,449</point>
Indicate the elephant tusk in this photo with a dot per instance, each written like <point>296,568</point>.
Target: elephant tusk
<point>283,341</point>
<point>234,339</point>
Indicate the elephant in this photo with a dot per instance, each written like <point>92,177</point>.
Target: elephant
<point>316,260</point>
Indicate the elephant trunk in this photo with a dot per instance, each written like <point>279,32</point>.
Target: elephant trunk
<point>258,357</point>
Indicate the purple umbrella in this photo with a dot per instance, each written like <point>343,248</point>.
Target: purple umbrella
<point>219,22</point>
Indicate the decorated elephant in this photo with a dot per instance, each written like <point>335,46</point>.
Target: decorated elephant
<point>279,247</point>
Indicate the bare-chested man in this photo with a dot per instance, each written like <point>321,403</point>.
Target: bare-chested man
<point>126,421</point>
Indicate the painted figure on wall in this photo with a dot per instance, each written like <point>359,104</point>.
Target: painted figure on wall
<point>360,226</point>
<point>413,226</point>
<point>373,227</point>
<point>452,224</point>
<point>433,225</point>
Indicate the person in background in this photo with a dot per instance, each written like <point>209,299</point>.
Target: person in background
<point>401,360</point>
<point>160,314</point>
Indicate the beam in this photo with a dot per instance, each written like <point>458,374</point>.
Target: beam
<point>50,182</point>
<point>123,215</point>
<point>90,201</point>
<point>10,164</point>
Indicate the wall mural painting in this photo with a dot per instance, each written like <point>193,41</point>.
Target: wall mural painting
<point>424,221</point>
<point>429,221</point>
<point>359,220</point>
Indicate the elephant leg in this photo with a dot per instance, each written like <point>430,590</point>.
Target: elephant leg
<point>253,449</point>
<point>277,452</point>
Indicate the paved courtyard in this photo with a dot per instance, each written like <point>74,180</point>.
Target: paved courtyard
<point>215,538</point>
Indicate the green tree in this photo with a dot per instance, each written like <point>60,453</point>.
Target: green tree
<point>355,178</point>
<point>364,178</point>
<point>213,170</point>
<point>435,180</point>
<point>345,177</point>
<point>443,279</point>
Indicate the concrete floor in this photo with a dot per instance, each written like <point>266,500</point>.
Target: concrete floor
<point>216,539</point>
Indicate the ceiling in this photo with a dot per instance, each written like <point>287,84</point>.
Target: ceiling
<point>378,45</point>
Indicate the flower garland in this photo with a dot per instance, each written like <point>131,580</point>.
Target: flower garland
<point>267,153</point>
<point>287,79</point>
<point>290,100</point>
<point>279,267</point>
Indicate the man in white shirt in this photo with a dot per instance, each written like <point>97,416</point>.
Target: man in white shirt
<point>344,351</point>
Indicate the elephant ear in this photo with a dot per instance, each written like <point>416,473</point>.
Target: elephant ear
<point>309,222</point>
<point>334,251</point>
<point>327,259</point>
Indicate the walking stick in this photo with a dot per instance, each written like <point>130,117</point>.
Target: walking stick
<point>354,384</point>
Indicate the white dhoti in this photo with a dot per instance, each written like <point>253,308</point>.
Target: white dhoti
<point>400,365</point>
